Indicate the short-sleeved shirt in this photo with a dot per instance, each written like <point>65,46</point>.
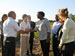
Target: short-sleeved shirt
<point>43,26</point>
<point>55,28</point>
<point>25,26</point>
<point>10,28</point>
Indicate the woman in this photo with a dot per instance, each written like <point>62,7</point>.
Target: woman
<point>4,17</point>
<point>24,41</point>
<point>55,28</point>
<point>68,30</point>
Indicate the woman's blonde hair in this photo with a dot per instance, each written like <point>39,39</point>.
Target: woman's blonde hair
<point>63,11</point>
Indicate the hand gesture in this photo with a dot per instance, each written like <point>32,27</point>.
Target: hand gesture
<point>27,31</point>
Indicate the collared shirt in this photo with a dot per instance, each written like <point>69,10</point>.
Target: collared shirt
<point>43,26</point>
<point>10,28</point>
<point>25,26</point>
<point>68,32</point>
<point>55,28</point>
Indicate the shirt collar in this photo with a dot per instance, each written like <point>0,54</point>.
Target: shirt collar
<point>10,18</point>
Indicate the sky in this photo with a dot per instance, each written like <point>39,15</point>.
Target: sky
<point>31,7</point>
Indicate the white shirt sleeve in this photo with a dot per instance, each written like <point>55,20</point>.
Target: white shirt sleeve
<point>21,27</point>
<point>48,26</point>
<point>17,28</point>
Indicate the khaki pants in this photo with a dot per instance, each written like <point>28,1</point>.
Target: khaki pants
<point>24,45</point>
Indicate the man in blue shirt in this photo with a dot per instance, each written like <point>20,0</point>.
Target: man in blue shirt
<point>55,41</point>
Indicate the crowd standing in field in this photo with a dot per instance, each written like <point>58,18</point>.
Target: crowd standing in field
<point>63,34</point>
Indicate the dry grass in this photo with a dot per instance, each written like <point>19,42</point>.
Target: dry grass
<point>36,49</point>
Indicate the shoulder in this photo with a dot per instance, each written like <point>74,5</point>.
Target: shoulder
<point>11,21</point>
<point>54,23</point>
<point>6,21</point>
<point>68,21</point>
<point>46,20</point>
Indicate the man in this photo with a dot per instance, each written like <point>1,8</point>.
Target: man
<point>4,17</point>
<point>43,26</point>
<point>32,24</point>
<point>10,28</point>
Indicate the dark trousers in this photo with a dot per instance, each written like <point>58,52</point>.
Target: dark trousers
<point>31,44</point>
<point>45,47</point>
<point>69,49</point>
<point>2,45</point>
<point>3,51</point>
<point>56,51</point>
<point>10,46</point>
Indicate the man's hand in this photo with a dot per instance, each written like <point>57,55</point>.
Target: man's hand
<point>27,31</point>
<point>60,47</point>
<point>48,40</point>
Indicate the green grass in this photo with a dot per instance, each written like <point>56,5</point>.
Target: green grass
<point>37,33</point>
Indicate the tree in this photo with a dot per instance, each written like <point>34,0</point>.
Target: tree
<point>72,16</point>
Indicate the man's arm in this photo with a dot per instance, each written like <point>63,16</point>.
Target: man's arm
<point>23,32</point>
<point>48,37</point>
<point>33,30</point>
<point>18,29</point>
<point>48,31</point>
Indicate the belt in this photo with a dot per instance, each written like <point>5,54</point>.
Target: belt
<point>10,39</point>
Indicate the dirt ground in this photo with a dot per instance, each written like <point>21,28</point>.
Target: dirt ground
<point>36,49</point>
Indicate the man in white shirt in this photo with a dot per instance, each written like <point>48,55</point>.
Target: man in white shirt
<point>43,26</point>
<point>10,29</point>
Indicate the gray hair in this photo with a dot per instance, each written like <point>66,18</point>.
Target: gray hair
<point>24,16</point>
<point>10,13</point>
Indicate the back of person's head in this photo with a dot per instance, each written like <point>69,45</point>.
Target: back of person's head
<point>56,18</point>
<point>24,16</point>
<point>41,13</point>
<point>63,11</point>
<point>12,14</point>
<point>4,17</point>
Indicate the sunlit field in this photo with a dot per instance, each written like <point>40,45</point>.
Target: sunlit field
<point>36,48</point>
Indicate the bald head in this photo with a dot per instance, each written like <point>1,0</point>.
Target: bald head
<point>12,14</point>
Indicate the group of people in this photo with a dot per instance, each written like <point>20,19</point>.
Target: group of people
<point>26,29</point>
<point>63,32</point>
